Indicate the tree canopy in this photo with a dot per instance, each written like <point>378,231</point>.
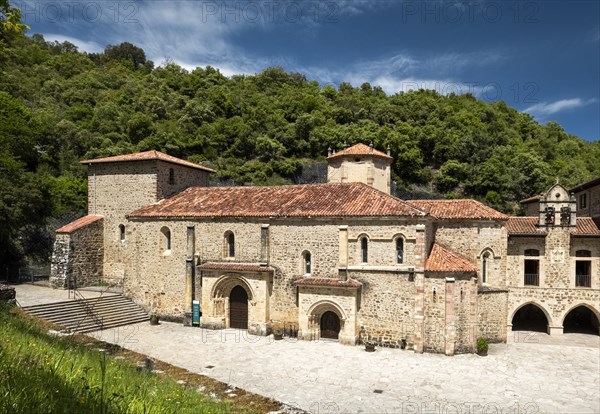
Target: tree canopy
<point>59,105</point>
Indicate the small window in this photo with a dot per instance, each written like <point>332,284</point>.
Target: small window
<point>484,267</point>
<point>364,249</point>
<point>121,232</point>
<point>399,250</point>
<point>583,201</point>
<point>583,273</point>
<point>230,244</point>
<point>434,296</point>
<point>532,272</point>
<point>307,263</point>
<point>583,269</point>
<point>171,176</point>
<point>166,238</point>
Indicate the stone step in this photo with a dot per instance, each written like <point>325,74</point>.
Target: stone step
<point>94,307</point>
<point>74,315</point>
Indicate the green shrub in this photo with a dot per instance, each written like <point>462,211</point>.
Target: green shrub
<point>482,344</point>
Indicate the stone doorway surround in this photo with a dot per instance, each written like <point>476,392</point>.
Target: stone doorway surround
<point>318,296</point>
<point>219,279</point>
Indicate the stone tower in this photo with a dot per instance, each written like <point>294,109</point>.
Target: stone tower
<point>360,163</point>
<point>121,184</point>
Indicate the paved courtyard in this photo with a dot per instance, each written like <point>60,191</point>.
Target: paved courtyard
<point>533,373</point>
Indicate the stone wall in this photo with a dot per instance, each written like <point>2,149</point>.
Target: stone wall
<point>491,314</point>
<point>314,301</point>
<point>77,257</point>
<point>386,309</point>
<point>155,278</point>
<point>557,258</point>
<point>116,189</point>
<point>471,239</point>
<point>373,171</point>
<point>556,303</point>
<point>216,289</point>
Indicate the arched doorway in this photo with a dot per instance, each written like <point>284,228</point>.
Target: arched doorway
<point>330,325</point>
<point>238,308</point>
<point>530,318</point>
<point>581,320</point>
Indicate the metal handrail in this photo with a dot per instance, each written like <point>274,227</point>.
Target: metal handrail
<point>531,279</point>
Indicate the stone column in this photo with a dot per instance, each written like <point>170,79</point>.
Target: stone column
<point>419,313</point>
<point>450,326</point>
<point>189,276</point>
<point>264,243</point>
<point>420,247</point>
<point>473,298</point>
<point>343,247</point>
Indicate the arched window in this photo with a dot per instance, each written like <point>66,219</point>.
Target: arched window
<point>166,238</point>
<point>230,238</point>
<point>121,232</point>
<point>307,263</point>
<point>399,250</point>
<point>364,249</point>
<point>485,259</point>
<point>171,176</point>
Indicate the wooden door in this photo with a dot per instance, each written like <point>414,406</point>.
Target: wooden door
<point>238,308</point>
<point>330,325</point>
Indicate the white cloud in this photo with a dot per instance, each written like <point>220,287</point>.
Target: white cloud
<point>82,45</point>
<point>544,108</point>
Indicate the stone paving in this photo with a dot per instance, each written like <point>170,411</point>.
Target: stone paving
<point>532,373</point>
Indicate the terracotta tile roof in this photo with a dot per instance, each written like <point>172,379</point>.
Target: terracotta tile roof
<point>360,149</point>
<point>443,260</point>
<point>586,227</point>
<point>524,226</point>
<point>312,281</point>
<point>311,200</point>
<point>145,156</point>
<point>592,183</point>
<point>528,226</point>
<point>233,266</point>
<point>532,199</point>
<point>78,224</point>
<point>458,209</point>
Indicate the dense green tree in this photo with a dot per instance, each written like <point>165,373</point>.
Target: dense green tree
<point>59,105</point>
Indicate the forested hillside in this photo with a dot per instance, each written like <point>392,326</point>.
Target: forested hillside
<point>58,105</point>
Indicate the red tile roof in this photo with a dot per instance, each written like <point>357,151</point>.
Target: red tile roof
<point>78,224</point>
<point>532,199</point>
<point>146,156</point>
<point>528,226</point>
<point>524,226</point>
<point>443,260</point>
<point>360,149</point>
<point>586,227</point>
<point>234,266</point>
<point>311,200</point>
<point>458,209</point>
<point>311,281</point>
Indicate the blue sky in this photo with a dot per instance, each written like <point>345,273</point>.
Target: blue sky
<point>541,57</point>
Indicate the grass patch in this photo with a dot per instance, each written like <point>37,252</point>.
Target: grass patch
<point>41,373</point>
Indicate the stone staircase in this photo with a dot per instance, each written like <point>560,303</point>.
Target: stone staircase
<point>87,315</point>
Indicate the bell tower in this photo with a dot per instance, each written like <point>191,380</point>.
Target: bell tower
<point>360,163</point>
<point>557,208</point>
